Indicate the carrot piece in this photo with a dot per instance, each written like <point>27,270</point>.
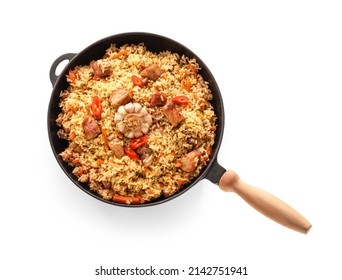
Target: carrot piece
<point>71,109</point>
<point>99,162</point>
<point>78,150</point>
<point>193,69</point>
<point>72,76</point>
<point>88,108</point>
<point>201,102</point>
<point>210,150</point>
<point>181,183</point>
<point>205,158</point>
<point>178,164</point>
<point>127,199</point>
<point>67,155</point>
<point>84,169</point>
<point>150,191</point>
<point>137,199</point>
<point>188,86</point>
<point>118,54</point>
<point>72,136</point>
<point>120,198</point>
<point>148,170</point>
<point>114,162</point>
<point>105,141</point>
<point>196,96</point>
<point>76,160</point>
<point>80,172</point>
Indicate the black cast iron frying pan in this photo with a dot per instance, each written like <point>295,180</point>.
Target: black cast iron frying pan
<point>229,181</point>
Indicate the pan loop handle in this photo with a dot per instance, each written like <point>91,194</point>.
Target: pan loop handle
<point>63,57</point>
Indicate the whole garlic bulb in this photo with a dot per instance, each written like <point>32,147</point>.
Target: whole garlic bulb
<point>133,120</point>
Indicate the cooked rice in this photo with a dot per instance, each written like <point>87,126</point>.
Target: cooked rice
<point>96,165</point>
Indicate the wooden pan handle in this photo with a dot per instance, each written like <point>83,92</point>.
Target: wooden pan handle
<point>265,203</point>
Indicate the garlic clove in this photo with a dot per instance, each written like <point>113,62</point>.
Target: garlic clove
<point>121,126</point>
<point>130,134</point>
<point>122,110</point>
<point>137,107</point>
<point>138,134</point>
<point>144,128</point>
<point>118,117</point>
<point>129,108</point>
<point>148,119</point>
<point>143,111</point>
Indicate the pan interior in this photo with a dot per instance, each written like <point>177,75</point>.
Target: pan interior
<point>154,43</point>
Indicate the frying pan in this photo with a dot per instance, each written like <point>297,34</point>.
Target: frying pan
<point>228,181</point>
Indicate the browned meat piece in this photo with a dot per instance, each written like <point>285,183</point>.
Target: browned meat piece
<point>98,72</point>
<point>189,162</point>
<point>152,72</point>
<point>120,97</point>
<point>146,155</point>
<point>172,114</point>
<point>158,99</point>
<point>90,127</point>
<point>191,141</point>
<point>115,144</point>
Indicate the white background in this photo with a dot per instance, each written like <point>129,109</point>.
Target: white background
<point>279,68</point>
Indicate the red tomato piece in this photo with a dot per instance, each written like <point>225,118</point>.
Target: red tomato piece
<point>137,81</point>
<point>180,100</point>
<point>138,142</point>
<point>96,107</point>
<point>131,154</point>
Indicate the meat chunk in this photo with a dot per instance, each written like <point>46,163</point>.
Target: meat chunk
<point>152,72</point>
<point>99,72</point>
<point>146,155</point>
<point>158,99</point>
<point>189,162</point>
<point>172,114</point>
<point>120,97</point>
<point>191,141</point>
<point>115,144</point>
<point>90,127</point>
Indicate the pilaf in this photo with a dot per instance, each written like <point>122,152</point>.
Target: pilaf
<point>139,124</point>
